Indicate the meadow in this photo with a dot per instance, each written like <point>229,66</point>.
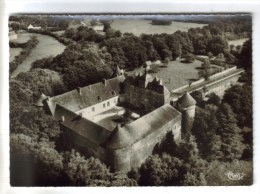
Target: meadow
<point>237,42</point>
<point>176,74</point>
<point>46,47</point>
<point>22,38</point>
<point>138,27</point>
<point>13,52</point>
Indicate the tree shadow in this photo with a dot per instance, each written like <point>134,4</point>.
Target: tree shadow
<point>199,68</point>
<point>185,61</point>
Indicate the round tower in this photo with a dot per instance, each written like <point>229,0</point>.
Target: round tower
<point>186,105</point>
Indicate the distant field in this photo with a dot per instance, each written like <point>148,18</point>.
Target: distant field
<point>177,74</point>
<point>237,42</point>
<point>139,27</point>
<point>47,46</point>
<point>14,52</point>
<point>22,38</point>
<point>59,32</point>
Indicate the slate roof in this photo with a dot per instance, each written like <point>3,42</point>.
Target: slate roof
<point>81,98</point>
<point>186,100</point>
<point>129,134</point>
<point>82,126</point>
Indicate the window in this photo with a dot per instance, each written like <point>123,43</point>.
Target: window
<point>108,103</point>
<point>93,109</point>
<point>104,105</point>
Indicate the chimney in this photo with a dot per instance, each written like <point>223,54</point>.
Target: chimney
<point>79,90</point>
<point>62,118</point>
<point>160,82</point>
<point>105,82</point>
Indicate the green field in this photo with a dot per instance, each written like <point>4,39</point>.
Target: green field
<point>14,52</point>
<point>22,38</point>
<point>46,47</point>
<point>176,74</point>
<point>237,42</point>
<point>138,27</point>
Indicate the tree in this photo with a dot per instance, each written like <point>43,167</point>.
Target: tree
<point>200,45</point>
<point>92,172</point>
<point>214,99</point>
<point>240,99</point>
<point>191,179</point>
<point>41,161</point>
<point>82,172</point>
<point>232,140</point>
<point>205,72</point>
<point>205,130</point>
<point>246,55</point>
<point>217,173</point>
<point>161,171</point>
<point>218,45</point>
<point>37,81</point>
<point>189,57</point>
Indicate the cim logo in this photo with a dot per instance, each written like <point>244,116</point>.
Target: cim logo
<point>235,176</point>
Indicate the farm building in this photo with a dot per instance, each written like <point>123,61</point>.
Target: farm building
<point>120,120</point>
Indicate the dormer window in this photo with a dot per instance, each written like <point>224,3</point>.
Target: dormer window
<point>99,98</point>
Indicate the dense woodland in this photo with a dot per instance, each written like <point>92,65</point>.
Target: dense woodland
<point>220,140</point>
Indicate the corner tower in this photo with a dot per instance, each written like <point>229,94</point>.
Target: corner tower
<point>186,105</point>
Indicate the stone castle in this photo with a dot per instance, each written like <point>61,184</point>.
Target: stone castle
<point>120,120</point>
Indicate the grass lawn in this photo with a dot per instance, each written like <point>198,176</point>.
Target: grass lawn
<point>46,47</point>
<point>138,27</point>
<point>176,74</point>
<point>22,38</point>
<point>14,52</point>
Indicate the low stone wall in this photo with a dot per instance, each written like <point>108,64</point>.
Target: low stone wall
<point>225,77</point>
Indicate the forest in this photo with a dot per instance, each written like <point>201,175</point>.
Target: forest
<point>220,140</point>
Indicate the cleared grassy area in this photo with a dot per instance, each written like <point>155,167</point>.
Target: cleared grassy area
<point>22,38</point>
<point>46,47</point>
<point>59,32</point>
<point>138,27</point>
<point>237,42</point>
<point>14,52</point>
<point>176,74</point>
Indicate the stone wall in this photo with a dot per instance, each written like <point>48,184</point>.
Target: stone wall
<point>133,156</point>
<point>73,140</point>
<point>143,98</point>
<point>220,86</point>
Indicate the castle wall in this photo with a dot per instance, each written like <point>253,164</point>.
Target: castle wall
<point>145,147</point>
<point>218,83</point>
<point>143,98</point>
<point>133,156</point>
<point>99,108</point>
<point>72,139</point>
<point>220,87</point>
